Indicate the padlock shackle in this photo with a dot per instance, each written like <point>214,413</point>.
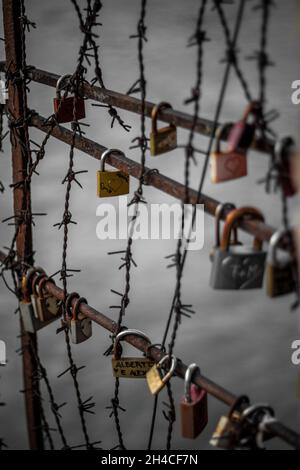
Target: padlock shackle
<point>125,333</point>
<point>35,282</point>
<point>69,299</point>
<point>221,133</point>
<point>232,218</point>
<point>191,369</point>
<point>221,208</point>
<point>26,285</point>
<point>276,238</point>
<point>106,154</point>
<point>40,286</point>
<point>171,371</point>
<point>75,309</point>
<point>155,112</point>
<point>250,410</point>
<point>59,83</point>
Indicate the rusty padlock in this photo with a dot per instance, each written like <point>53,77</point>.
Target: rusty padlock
<point>280,273</point>
<point>285,152</point>
<point>226,165</point>
<point>130,367</point>
<point>80,325</point>
<point>193,406</point>
<point>67,108</point>
<point>238,267</point>
<point>242,133</point>
<point>165,139</point>
<point>111,183</point>
<point>49,308</point>
<point>155,378</point>
<point>229,428</point>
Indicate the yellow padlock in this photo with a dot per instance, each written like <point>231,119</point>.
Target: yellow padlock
<point>111,183</point>
<point>130,367</point>
<point>165,139</point>
<point>154,378</point>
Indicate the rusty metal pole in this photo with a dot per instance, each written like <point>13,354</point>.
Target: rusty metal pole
<point>22,205</point>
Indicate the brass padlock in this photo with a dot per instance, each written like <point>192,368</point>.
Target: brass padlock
<point>130,367</point>
<point>229,428</point>
<point>34,296</point>
<point>165,139</point>
<point>80,325</point>
<point>238,267</point>
<point>193,406</point>
<point>157,381</point>
<point>67,108</point>
<point>111,183</point>
<point>221,208</point>
<point>280,273</point>
<point>227,165</point>
<point>49,308</point>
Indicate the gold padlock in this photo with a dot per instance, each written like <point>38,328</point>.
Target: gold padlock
<point>111,183</point>
<point>165,139</point>
<point>228,430</point>
<point>49,307</point>
<point>130,367</point>
<point>157,381</point>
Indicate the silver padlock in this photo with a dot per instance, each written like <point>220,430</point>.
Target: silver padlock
<point>238,267</point>
<point>48,307</point>
<point>281,271</point>
<point>80,325</point>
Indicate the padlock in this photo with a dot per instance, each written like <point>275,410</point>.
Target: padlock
<point>111,183</point>
<point>280,273</point>
<point>67,108</point>
<point>49,308</point>
<point>193,406</point>
<point>252,418</point>
<point>80,325</point>
<point>285,152</point>
<point>238,267</point>
<point>229,428</point>
<point>165,139</point>
<point>155,378</point>
<point>221,208</point>
<point>227,165</point>
<point>242,133</point>
<point>34,275</point>
<point>31,323</point>
<point>130,367</point>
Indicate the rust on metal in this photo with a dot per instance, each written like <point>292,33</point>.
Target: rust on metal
<point>22,204</point>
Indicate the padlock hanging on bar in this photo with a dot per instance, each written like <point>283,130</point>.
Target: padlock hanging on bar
<point>221,208</point>
<point>281,274</point>
<point>80,325</point>
<point>67,108</point>
<point>111,183</point>
<point>285,153</point>
<point>226,165</point>
<point>241,134</point>
<point>236,267</point>
<point>130,367</point>
<point>193,406</point>
<point>156,380</point>
<point>48,306</point>
<point>165,139</point>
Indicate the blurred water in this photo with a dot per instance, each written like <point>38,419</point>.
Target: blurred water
<point>241,340</point>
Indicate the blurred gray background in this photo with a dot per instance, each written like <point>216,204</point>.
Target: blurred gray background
<point>241,340</point>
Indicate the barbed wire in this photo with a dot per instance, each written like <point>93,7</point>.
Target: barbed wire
<point>127,258</point>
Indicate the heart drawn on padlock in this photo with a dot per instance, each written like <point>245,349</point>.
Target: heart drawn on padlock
<point>243,272</point>
<point>232,165</point>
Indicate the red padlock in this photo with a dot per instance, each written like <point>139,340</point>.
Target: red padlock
<point>285,151</point>
<point>226,165</point>
<point>64,105</point>
<point>193,406</point>
<point>242,133</point>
